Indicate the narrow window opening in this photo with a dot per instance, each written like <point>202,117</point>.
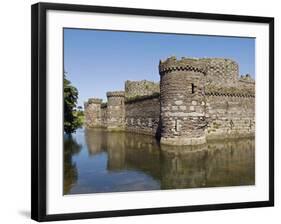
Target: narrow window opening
<point>177,125</point>
<point>192,88</point>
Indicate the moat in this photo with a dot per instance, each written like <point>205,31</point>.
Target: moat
<point>97,161</point>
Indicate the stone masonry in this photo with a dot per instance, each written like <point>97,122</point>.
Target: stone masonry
<point>93,112</point>
<point>115,110</point>
<point>196,100</point>
<point>140,88</point>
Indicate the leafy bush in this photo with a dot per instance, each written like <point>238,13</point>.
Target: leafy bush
<point>72,119</point>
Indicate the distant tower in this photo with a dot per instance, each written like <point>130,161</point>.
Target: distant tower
<point>182,101</point>
<point>93,113</point>
<point>116,110</point>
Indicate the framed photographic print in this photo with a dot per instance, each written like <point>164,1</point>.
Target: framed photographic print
<point>139,111</point>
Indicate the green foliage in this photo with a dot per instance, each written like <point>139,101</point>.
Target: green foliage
<point>80,116</point>
<point>71,117</point>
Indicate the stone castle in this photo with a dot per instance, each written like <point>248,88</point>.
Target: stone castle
<point>196,100</point>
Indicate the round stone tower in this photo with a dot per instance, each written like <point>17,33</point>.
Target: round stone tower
<point>182,101</point>
<point>116,110</point>
<point>93,113</point>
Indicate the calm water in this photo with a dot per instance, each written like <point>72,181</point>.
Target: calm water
<point>100,161</point>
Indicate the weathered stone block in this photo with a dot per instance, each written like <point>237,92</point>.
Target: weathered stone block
<point>178,102</point>
<point>194,102</point>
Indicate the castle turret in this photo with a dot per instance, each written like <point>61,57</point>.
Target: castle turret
<point>182,104</point>
<point>93,112</point>
<point>221,71</point>
<point>116,110</point>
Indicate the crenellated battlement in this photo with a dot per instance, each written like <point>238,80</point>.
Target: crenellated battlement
<point>247,79</point>
<point>115,94</point>
<point>94,100</point>
<point>184,64</point>
<point>196,99</point>
<point>231,91</point>
<point>217,70</point>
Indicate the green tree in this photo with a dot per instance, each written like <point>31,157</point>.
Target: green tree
<point>71,119</point>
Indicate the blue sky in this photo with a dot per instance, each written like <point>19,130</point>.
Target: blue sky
<point>99,61</point>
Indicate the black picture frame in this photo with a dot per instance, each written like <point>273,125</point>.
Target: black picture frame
<point>39,108</point>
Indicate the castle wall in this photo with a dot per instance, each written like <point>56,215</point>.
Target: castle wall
<point>104,115</point>
<point>230,109</point>
<point>140,88</point>
<point>199,99</point>
<point>230,116</point>
<point>220,71</point>
<point>142,115</point>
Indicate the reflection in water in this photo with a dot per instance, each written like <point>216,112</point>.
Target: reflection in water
<point>71,147</point>
<point>119,161</point>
